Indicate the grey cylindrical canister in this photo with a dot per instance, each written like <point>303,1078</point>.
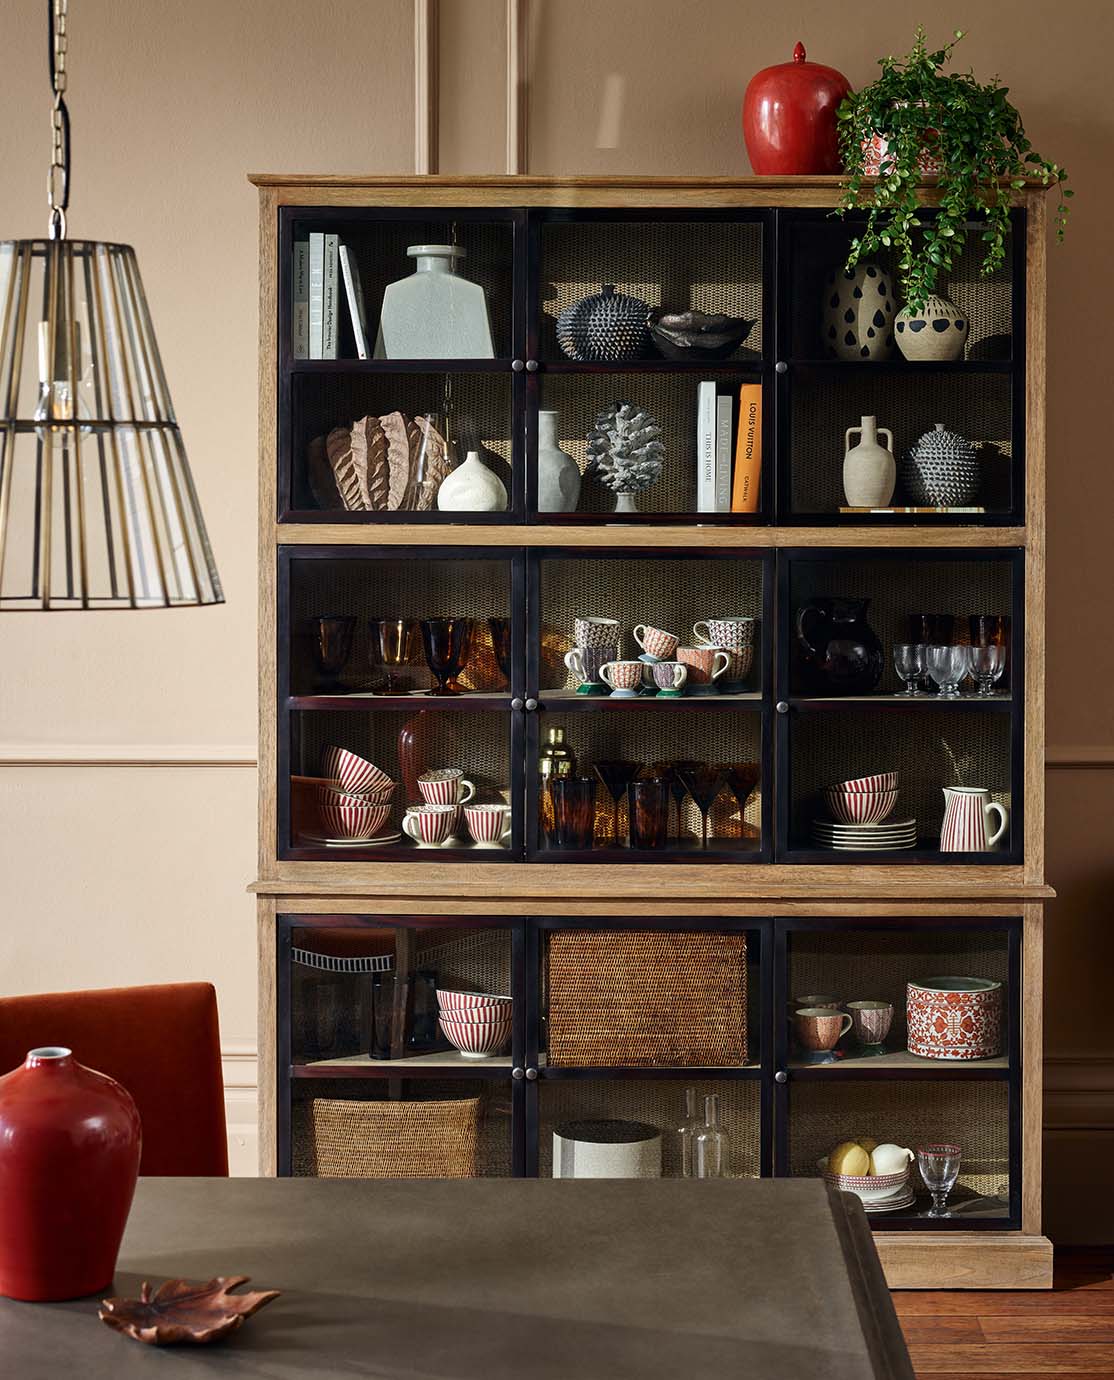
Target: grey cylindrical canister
<point>606,1150</point>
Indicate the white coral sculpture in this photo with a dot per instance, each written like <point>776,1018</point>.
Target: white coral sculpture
<point>625,451</point>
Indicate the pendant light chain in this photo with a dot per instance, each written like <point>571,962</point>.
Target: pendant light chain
<point>58,179</point>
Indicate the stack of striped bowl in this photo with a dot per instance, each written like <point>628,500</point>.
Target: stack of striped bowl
<point>355,804</point>
<point>861,809</point>
<point>476,1024</point>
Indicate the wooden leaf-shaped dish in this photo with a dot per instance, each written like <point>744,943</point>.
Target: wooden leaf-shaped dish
<point>180,1311</point>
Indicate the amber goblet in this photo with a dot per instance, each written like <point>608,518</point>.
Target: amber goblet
<point>332,646</point>
<point>448,645</point>
<point>392,644</point>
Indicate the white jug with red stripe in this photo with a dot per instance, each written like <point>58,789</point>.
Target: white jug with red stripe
<point>965,813</point>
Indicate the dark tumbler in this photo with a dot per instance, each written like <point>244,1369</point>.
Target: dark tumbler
<point>648,812</point>
<point>574,811</point>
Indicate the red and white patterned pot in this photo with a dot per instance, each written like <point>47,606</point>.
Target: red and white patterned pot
<point>954,1018</point>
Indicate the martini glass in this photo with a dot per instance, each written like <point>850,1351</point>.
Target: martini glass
<point>742,777</point>
<point>671,771</point>
<point>703,782</point>
<point>448,645</point>
<point>616,774</point>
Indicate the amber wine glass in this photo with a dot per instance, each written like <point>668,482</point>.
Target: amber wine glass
<point>448,645</point>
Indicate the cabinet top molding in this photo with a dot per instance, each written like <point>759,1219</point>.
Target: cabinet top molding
<point>507,182</point>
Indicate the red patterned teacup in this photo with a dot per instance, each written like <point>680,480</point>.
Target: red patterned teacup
<point>655,641</point>
<point>489,825</point>
<point>705,664</point>
<point>429,825</point>
<point>445,786</point>
<point>623,678</point>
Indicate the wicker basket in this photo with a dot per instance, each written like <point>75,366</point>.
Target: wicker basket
<point>627,997</point>
<point>392,1140</point>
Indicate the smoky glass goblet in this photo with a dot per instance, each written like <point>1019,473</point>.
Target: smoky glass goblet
<point>909,663</point>
<point>332,646</point>
<point>393,645</point>
<point>939,1166</point>
<point>947,666</point>
<point>703,782</point>
<point>448,645</point>
<point>987,665</point>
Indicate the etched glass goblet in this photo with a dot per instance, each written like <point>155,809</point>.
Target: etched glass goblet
<point>909,663</point>
<point>939,1166</point>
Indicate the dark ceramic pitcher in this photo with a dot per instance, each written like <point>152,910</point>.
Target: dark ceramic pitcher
<point>840,650</point>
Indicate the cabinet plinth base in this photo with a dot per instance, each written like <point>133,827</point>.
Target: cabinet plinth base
<point>965,1260</point>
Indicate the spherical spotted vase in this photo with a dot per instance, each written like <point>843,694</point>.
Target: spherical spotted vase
<point>858,316</point>
<point>938,331</point>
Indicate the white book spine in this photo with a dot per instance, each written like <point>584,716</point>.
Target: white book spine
<point>354,292</point>
<point>316,293</point>
<point>330,319</point>
<point>300,317</point>
<point>723,453</point>
<point>706,448</point>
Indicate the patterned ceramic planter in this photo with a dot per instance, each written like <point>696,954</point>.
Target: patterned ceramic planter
<point>955,1018</point>
<point>938,331</point>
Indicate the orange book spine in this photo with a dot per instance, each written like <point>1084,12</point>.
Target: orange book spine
<point>748,450</point>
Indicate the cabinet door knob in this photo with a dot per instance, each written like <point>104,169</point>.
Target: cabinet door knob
<point>518,365</point>
<point>518,1073</point>
<point>531,704</point>
<point>532,366</point>
<point>783,706</point>
<point>518,703</point>
<point>531,1075</point>
<point>781,1076</point>
<point>781,367</point>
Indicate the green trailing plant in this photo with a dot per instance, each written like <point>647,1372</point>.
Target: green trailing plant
<point>978,138</point>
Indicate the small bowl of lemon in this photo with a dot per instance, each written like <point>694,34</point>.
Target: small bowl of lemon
<point>872,1171</point>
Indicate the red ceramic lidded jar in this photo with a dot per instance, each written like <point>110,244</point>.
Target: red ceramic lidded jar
<point>789,117</point>
<point>70,1141</point>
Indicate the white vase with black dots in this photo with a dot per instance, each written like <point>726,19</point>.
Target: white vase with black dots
<point>938,331</point>
<point>858,315</point>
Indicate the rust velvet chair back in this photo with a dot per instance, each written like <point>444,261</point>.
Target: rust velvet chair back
<point>161,1043</point>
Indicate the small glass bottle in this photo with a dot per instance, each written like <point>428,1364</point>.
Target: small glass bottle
<point>555,758</point>
<point>686,1134</point>
<point>710,1148</point>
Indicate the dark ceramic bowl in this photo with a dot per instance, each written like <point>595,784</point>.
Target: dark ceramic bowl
<point>685,335</point>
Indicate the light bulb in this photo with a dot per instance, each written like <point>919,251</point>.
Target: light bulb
<point>57,403</point>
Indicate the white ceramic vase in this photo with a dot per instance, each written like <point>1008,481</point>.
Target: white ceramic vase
<point>434,313</point>
<point>869,469</point>
<point>472,488</point>
<point>558,476</point>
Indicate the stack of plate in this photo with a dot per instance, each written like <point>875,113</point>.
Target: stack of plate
<point>890,834</point>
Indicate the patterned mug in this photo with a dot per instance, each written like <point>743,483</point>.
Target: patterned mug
<point>734,633</point>
<point>705,665</point>
<point>871,1021</point>
<point>489,825</point>
<point>655,642</point>
<point>819,1028</point>
<point>585,662</point>
<point>623,677</point>
<point>429,825</point>
<point>669,677</point>
<point>597,632</point>
<point>445,786</point>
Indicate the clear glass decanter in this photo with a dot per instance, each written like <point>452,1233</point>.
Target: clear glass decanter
<point>711,1153</point>
<point>686,1134</point>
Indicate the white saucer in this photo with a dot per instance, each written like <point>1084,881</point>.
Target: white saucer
<point>905,1200</point>
<point>352,843</point>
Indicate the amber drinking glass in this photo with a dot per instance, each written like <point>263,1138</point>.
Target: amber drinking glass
<point>703,782</point>
<point>332,646</point>
<point>931,628</point>
<point>574,811</point>
<point>648,812</point>
<point>448,645</point>
<point>500,629</point>
<point>393,645</point>
<point>616,774</point>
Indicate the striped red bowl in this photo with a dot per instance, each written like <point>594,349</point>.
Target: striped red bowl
<point>476,1040</point>
<point>487,1015</point>
<point>859,807</point>
<point>471,1001</point>
<point>332,795</point>
<point>356,822</point>
<point>880,781</point>
<point>352,773</point>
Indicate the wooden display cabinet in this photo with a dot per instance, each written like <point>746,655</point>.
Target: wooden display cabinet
<point>862,923</point>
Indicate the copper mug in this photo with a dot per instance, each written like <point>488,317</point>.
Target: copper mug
<point>819,1029</point>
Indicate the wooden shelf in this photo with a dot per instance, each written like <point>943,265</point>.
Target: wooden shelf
<point>964,704</point>
<point>443,1063</point>
<point>563,701</point>
<point>362,702</point>
<point>896,366</point>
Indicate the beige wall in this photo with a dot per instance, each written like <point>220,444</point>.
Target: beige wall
<point>172,105</point>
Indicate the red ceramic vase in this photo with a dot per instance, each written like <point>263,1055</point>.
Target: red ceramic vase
<point>789,117</point>
<point>69,1157</point>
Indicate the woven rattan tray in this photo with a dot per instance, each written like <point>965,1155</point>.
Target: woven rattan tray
<point>393,1140</point>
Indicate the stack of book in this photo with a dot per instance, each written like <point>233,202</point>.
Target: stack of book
<point>321,263</point>
<point>728,449</point>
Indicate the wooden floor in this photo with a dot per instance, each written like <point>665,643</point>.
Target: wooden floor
<point>1068,1330</point>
